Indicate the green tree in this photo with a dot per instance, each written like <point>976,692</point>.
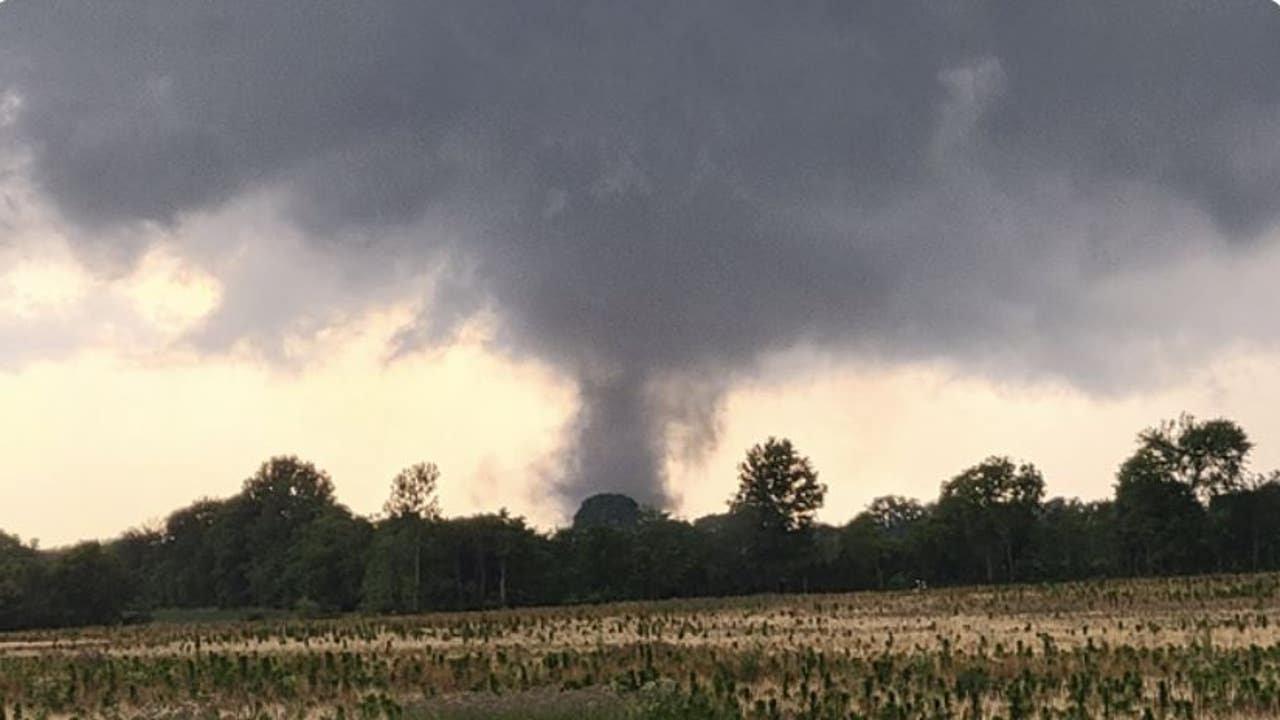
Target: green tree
<point>667,557</point>
<point>235,553</point>
<point>1210,457</point>
<point>21,579</point>
<point>1246,535</point>
<point>327,559</point>
<point>413,493</point>
<point>187,576</point>
<point>289,487</point>
<point>1159,522</point>
<point>863,556</point>
<point>994,505</point>
<point>778,495</point>
<point>275,507</point>
<point>139,552</point>
<point>390,552</point>
<point>1180,468</point>
<point>894,515</point>
<point>597,562</point>
<point>86,585</point>
<point>727,540</point>
<point>494,557</point>
<point>413,502</point>
<point>1074,539</point>
<point>879,540</point>
<point>779,486</point>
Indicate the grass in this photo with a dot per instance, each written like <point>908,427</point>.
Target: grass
<point>1205,647</point>
<point>533,705</point>
<point>186,616</point>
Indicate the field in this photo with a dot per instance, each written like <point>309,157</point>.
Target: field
<point>1178,648</point>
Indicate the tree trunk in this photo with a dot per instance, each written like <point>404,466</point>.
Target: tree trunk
<point>1008,557</point>
<point>457,577</point>
<point>1255,549</point>
<point>502,580</point>
<point>417,571</point>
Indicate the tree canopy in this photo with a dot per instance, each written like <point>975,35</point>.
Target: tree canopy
<point>779,486</point>
<point>1185,501</point>
<point>994,505</point>
<point>413,493</point>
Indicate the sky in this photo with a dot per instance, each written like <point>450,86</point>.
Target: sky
<point>562,247</point>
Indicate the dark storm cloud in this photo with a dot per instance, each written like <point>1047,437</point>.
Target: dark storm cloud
<point>655,194</point>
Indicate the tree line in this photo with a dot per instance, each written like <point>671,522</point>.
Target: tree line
<point>1184,502</point>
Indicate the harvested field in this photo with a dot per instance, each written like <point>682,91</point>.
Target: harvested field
<point>1177,648</point>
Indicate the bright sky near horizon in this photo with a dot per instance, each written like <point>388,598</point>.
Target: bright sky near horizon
<point>562,250</point>
<point>118,433</point>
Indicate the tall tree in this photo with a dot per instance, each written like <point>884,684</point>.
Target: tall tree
<point>1245,534</point>
<point>327,559</point>
<point>86,585</point>
<point>880,536</point>
<point>413,493</point>
<point>995,504</point>
<point>894,514</point>
<point>779,495</point>
<point>1074,539</point>
<point>779,485</point>
<point>21,580</point>
<point>665,558</point>
<point>1179,468</point>
<point>1210,456</point>
<point>413,500</point>
<point>276,505</point>
<point>1159,522</point>
<point>138,551</point>
<point>188,560</point>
